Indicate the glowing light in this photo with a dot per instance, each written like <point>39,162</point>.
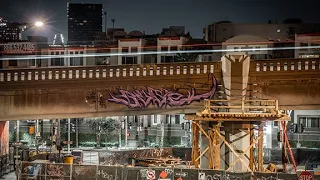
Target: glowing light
<point>154,52</point>
<point>38,24</point>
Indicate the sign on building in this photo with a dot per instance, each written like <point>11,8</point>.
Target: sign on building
<point>19,48</point>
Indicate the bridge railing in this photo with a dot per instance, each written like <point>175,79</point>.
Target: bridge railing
<point>99,72</point>
<point>243,106</point>
<point>309,64</point>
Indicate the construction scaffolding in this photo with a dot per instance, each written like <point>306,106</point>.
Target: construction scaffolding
<point>219,117</point>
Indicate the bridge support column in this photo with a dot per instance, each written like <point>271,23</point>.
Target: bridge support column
<point>237,140</point>
<point>4,137</point>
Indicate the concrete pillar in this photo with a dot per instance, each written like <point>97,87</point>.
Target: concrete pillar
<point>54,136</point>
<point>204,143</point>
<point>160,132</point>
<point>238,136</point>
<point>235,71</point>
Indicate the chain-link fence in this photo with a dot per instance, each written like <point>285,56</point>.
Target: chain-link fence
<point>6,165</point>
<point>44,171</point>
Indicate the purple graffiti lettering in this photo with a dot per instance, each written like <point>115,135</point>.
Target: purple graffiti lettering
<point>164,97</point>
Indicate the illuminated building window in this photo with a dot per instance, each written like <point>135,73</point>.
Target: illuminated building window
<point>309,121</point>
<point>13,63</point>
<point>129,59</point>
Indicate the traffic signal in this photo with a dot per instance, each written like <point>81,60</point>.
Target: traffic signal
<point>129,124</point>
<point>73,127</point>
<point>182,126</point>
<point>293,128</point>
<point>301,128</point>
<point>31,129</point>
<point>279,136</point>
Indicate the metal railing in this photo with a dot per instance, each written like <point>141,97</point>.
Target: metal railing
<point>241,106</point>
<point>97,172</point>
<point>5,165</point>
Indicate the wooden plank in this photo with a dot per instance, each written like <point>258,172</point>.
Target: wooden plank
<point>251,149</point>
<point>201,129</point>
<point>231,148</point>
<point>217,147</point>
<point>241,119</point>
<point>260,149</point>
<point>195,145</point>
<point>244,152</point>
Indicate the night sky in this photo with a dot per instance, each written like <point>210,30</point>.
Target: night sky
<point>151,16</point>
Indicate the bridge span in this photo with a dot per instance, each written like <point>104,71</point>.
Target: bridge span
<point>155,88</point>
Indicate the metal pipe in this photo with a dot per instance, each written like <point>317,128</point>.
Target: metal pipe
<point>126,131</point>
<point>69,135</point>
<point>77,133</point>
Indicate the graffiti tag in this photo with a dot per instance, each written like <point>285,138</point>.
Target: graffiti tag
<point>159,97</point>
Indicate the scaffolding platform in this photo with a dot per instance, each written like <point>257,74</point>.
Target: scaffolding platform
<point>239,110</point>
<point>238,118</point>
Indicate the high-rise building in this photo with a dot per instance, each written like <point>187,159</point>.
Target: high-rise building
<point>11,31</point>
<point>84,22</point>
<point>224,30</point>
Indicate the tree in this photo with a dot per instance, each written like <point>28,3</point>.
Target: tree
<point>109,126</point>
<point>187,57</point>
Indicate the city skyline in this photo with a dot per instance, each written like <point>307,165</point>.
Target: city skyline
<point>140,14</point>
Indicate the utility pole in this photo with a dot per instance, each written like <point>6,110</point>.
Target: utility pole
<point>69,135</point>
<point>106,21</point>
<point>126,131</point>
<point>113,21</point>
<point>77,133</point>
<point>37,136</point>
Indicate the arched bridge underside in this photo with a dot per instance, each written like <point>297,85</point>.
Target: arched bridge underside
<point>155,88</point>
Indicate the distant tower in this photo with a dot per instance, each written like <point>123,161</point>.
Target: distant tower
<point>58,39</point>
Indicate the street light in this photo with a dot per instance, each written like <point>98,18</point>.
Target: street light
<point>38,24</point>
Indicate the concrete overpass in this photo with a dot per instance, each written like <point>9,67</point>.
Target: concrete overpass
<point>155,88</point>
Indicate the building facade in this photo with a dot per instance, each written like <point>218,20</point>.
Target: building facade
<point>310,43</point>
<point>11,31</point>
<point>133,47</point>
<point>253,46</point>
<point>221,31</point>
<point>84,22</point>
